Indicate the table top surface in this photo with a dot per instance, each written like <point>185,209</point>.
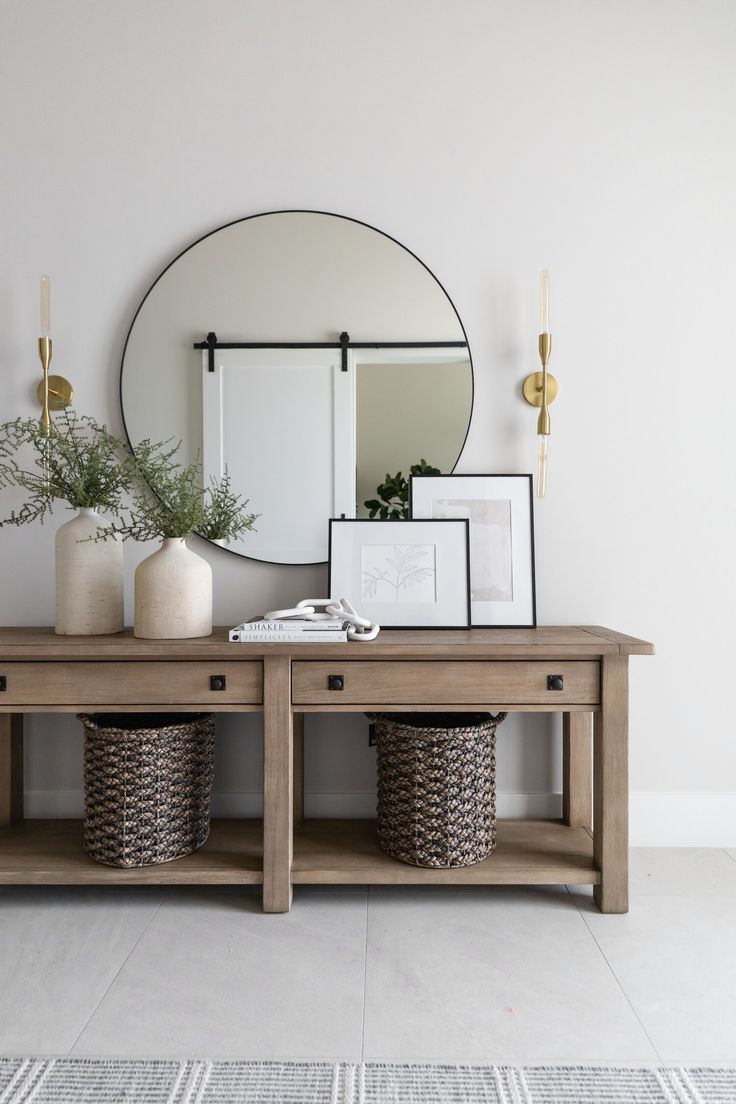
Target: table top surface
<point>564,641</point>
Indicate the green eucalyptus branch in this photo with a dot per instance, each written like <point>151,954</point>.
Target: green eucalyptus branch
<point>78,463</point>
<point>167,499</point>
<point>81,464</point>
<point>224,517</point>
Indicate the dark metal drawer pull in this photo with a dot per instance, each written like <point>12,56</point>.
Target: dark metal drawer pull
<point>336,682</point>
<point>555,682</point>
<point>218,682</point>
<point>3,682</point>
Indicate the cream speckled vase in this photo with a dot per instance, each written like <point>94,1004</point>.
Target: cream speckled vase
<point>89,578</point>
<point>173,593</point>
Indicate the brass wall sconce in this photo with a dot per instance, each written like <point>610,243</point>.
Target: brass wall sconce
<point>53,392</point>
<point>540,388</point>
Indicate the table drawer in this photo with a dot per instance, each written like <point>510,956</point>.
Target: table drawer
<point>133,683</point>
<point>434,682</point>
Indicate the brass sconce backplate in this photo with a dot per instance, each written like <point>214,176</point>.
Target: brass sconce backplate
<point>533,388</point>
<point>61,393</point>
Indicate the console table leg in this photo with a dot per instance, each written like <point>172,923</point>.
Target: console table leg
<point>577,769</point>
<point>611,786</point>
<point>278,738</point>
<point>298,722</point>
<point>11,768</point>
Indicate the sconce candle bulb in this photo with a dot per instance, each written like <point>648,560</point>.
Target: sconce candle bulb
<point>542,443</point>
<point>544,301</point>
<point>45,306</point>
<point>53,392</point>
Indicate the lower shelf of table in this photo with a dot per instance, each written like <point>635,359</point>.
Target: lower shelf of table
<point>528,852</point>
<point>50,852</point>
<point>337,852</point>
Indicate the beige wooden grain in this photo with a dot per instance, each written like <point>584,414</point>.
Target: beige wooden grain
<point>462,683</point>
<point>564,641</point>
<point>278,792</point>
<point>611,787</point>
<point>11,768</point>
<point>43,643</point>
<point>535,852</point>
<point>50,852</point>
<point>298,723</point>
<point>446,707</point>
<point>577,769</point>
<point>211,706</point>
<point>628,645</point>
<point>130,683</point>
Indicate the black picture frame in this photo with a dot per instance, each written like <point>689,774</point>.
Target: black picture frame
<point>465,624</point>
<point>524,476</point>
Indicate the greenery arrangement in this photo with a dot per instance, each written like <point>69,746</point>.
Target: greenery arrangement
<point>393,494</point>
<point>81,464</point>
<point>78,463</point>
<point>167,499</point>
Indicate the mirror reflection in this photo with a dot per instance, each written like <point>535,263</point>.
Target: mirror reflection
<point>334,357</point>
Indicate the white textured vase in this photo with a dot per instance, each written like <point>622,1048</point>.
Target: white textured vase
<point>173,593</point>
<point>89,578</point>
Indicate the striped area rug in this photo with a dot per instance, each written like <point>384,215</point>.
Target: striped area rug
<point>109,1081</point>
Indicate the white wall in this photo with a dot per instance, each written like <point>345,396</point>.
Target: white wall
<point>492,139</point>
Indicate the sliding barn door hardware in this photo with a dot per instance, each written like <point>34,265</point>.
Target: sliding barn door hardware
<point>343,344</point>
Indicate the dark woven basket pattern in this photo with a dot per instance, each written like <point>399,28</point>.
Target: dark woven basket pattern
<point>437,789</point>
<point>147,788</point>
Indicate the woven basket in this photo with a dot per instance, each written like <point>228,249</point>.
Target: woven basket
<point>147,782</point>
<point>437,786</point>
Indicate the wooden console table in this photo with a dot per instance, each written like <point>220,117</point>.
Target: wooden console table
<point>581,672</point>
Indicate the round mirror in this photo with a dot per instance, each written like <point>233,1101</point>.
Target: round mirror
<point>308,354</point>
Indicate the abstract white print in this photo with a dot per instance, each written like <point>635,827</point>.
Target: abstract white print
<point>399,573</point>
<point>491,562</point>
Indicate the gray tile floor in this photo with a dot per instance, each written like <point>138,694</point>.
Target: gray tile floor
<point>470,974</point>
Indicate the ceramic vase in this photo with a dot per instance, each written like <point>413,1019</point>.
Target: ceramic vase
<point>89,578</point>
<point>173,593</point>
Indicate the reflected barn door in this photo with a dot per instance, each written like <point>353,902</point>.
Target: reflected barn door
<point>283,423</point>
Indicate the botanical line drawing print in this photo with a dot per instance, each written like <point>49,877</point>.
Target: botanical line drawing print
<point>399,573</point>
<point>491,559</point>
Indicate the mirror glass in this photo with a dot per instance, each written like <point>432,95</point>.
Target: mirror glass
<point>307,423</point>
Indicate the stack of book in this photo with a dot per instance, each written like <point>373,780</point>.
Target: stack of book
<point>291,631</point>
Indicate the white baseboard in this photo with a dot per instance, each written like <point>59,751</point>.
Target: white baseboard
<point>682,819</point>
<point>69,804</point>
<point>656,819</point>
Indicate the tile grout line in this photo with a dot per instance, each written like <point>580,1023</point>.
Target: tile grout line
<point>365,973</point>
<point>614,975</point>
<point>728,854</point>
<point>115,978</point>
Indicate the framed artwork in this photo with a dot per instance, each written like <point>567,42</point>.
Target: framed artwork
<point>403,574</point>
<point>499,509</point>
